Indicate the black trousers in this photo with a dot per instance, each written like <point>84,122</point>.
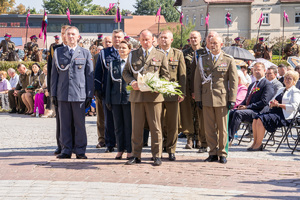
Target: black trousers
<point>236,117</point>
<point>110,139</point>
<point>72,112</point>
<point>122,124</point>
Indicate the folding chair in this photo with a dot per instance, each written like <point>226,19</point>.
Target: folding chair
<point>247,126</point>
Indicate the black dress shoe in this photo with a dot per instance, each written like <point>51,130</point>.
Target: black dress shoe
<point>145,144</point>
<point>109,149</point>
<point>100,144</point>
<point>202,150</point>
<point>119,157</point>
<point>211,158</point>
<point>165,149</point>
<point>181,135</point>
<point>172,157</point>
<point>22,111</point>
<point>57,151</point>
<point>258,149</point>
<point>14,110</point>
<point>81,156</point>
<point>133,160</point>
<point>223,160</point>
<point>157,161</point>
<point>63,156</point>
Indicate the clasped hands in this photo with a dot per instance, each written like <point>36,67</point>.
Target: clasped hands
<point>274,103</point>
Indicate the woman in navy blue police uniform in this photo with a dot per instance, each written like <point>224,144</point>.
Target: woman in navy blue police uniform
<point>117,100</point>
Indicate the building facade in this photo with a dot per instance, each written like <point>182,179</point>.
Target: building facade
<point>244,17</point>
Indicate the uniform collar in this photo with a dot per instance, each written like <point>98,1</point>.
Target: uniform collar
<point>69,48</point>
<point>149,50</point>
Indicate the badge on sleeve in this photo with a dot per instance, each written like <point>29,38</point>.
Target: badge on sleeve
<point>62,66</point>
<point>80,66</point>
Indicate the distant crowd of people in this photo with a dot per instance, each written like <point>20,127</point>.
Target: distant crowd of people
<point>95,82</point>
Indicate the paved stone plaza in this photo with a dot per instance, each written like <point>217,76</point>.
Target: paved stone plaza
<point>29,170</point>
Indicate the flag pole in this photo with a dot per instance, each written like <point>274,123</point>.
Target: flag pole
<point>120,13</point>
<point>281,48</point>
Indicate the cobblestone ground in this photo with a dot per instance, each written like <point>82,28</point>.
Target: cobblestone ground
<point>29,170</point>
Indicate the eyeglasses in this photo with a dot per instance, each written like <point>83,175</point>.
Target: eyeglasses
<point>288,78</point>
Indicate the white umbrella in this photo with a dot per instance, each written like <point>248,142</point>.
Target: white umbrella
<point>264,61</point>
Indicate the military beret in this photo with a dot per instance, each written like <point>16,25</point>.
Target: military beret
<point>33,37</point>
<point>7,35</point>
<point>293,38</point>
<point>261,39</point>
<point>56,37</point>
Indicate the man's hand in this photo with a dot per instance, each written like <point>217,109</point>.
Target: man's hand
<point>54,101</point>
<point>199,104</point>
<point>242,107</point>
<point>180,99</point>
<point>230,105</point>
<point>193,95</point>
<point>134,85</point>
<point>88,102</point>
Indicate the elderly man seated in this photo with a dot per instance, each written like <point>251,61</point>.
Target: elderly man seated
<point>4,87</point>
<point>258,96</point>
<point>271,75</point>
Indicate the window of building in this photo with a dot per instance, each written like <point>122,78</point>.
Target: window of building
<point>186,19</point>
<point>230,23</point>
<point>194,19</point>
<point>266,18</point>
<point>297,17</point>
<point>266,0</point>
<point>201,19</point>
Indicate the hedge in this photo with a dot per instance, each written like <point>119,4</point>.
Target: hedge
<point>5,65</point>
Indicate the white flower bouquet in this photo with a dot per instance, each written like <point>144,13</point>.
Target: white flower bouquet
<point>151,82</point>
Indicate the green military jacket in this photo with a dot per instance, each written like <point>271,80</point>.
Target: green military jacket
<point>222,87</point>
<point>24,80</point>
<point>291,50</point>
<point>7,46</point>
<point>259,50</point>
<point>177,70</point>
<point>136,63</point>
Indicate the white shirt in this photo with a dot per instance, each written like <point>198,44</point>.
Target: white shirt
<point>74,48</point>
<point>217,56</point>
<point>166,51</point>
<point>123,64</point>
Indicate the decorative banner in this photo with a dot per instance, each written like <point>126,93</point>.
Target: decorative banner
<point>228,18</point>
<point>261,18</point>
<point>118,16</point>
<point>181,18</point>
<point>44,27</point>
<point>111,5</point>
<point>28,14</point>
<point>207,20</point>
<point>69,15</point>
<point>286,17</point>
<point>158,14</point>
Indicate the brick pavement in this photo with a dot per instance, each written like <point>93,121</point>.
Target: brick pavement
<point>29,170</point>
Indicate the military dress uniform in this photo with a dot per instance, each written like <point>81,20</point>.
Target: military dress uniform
<point>30,49</point>
<point>291,50</point>
<point>24,81</point>
<point>259,50</point>
<point>7,47</point>
<point>146,105</point>
<point>177,70</point>
<point>215,86</point>
<point>72,85</point>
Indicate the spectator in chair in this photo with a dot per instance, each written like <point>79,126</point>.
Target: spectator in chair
<point>282,69</point>
<point>258,96</point>
<point>4,87</point>
<point>283,107</point>
<point>271,76</point>
<point>14,78</point>
<point>242,88</point>
<point>297,69</point>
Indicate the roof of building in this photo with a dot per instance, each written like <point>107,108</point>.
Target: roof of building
<point>154,27</point>
<point>136,24</point>
<point>228,1</point>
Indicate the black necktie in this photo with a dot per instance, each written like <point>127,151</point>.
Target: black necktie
<point>72,52</point>
<point>122,61</point>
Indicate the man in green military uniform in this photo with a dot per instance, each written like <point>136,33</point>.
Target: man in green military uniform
<point>98,42</point>
<point>260,48</point>
<point>56,37</point>
<point>291,49</point>
<point>7,46</point>
<point>237,43</point>
<point>215,86</point>
<point>14,96</point>
<point>31,48</point>
<point>190,124</point>
<point>145,105</point>
<point>177,70</point>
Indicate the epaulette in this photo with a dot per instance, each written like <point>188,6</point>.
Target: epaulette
<point>225,54</point>
<point>177,50</point>
<point>201,51</point>
<point>161,51</point>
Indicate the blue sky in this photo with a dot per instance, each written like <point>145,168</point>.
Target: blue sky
<point>124,4</point>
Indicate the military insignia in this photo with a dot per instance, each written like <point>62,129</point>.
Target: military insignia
<point>155,68</point>
<point>173,67</point>
<point>62,66</point>
<point>80,66</point>
<point>223,65</point>
<point>155,60</point>
<point>171,59</point>
<point>135,68</point>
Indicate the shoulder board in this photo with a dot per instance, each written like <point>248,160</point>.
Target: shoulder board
<point>228,55</point>
<point>178,50</point>
<point>160,51</point>
<point>203,55</point>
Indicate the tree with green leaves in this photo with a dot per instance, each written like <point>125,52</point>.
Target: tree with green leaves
<point>150,7</point>
<point>177,34</point>
<point>76,7</point>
